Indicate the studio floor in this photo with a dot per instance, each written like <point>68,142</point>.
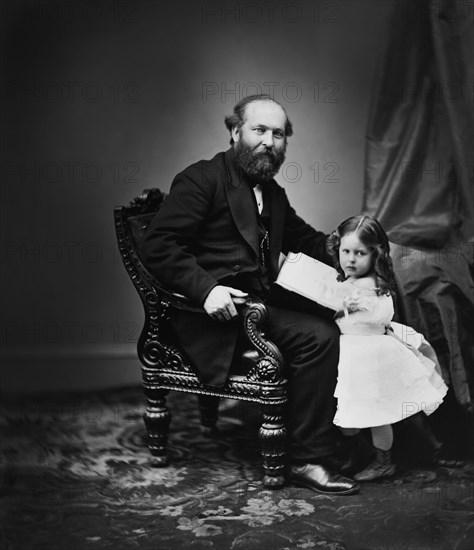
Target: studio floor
<point>77,475</point>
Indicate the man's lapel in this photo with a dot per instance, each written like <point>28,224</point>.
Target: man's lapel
<point>241,203</point>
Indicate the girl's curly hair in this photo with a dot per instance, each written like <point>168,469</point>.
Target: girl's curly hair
<point>372,235</point>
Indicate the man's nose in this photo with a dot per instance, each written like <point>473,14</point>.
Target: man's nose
<point>267,138</point>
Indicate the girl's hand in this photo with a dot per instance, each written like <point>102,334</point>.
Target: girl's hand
<point>351,303</point>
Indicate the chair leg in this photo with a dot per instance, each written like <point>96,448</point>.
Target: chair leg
<point>157,421</point>
<point>272,436</point>
<point>208,405</point>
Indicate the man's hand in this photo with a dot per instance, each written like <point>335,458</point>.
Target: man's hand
<point>220,302</point>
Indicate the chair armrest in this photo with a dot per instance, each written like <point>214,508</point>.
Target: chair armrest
<point>269,364</point>
<point>267,357</point>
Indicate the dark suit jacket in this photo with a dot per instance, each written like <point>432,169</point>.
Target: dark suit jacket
<point>206,233</point>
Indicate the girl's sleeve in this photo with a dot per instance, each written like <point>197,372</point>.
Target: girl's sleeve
<point>380,307</point>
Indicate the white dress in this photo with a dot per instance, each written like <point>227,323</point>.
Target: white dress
<point>381,380</point>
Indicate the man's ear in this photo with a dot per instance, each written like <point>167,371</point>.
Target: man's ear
<point>235,134</point>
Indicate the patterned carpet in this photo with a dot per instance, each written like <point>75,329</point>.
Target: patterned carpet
<point>77,475</point>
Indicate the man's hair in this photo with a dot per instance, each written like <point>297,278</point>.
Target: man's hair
<point>237,118</point>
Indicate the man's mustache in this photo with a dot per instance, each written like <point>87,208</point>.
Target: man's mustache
<point>267,152</point>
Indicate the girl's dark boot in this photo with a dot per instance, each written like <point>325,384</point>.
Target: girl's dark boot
<point>381,466</point>
<point>357,453</point>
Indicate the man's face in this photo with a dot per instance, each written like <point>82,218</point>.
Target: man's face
<point>260,143</point>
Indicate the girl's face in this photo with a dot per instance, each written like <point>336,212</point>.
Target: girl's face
<point>355,258</point>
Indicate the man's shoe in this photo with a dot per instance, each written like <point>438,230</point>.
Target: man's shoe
<point>321,480</point>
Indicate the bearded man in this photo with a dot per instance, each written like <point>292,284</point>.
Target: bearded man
<point>218,237</point>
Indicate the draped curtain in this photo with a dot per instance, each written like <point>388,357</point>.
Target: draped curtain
<point>419,178</point>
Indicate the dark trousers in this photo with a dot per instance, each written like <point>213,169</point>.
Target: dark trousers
<point>310,346</point>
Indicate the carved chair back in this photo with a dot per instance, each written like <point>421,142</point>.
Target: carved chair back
<point>165,367</point>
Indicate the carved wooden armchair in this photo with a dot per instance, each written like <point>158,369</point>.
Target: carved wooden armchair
<point>165,368</point>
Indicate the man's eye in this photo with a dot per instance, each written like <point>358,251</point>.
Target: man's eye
<point>260,131</point>
<point>279,135</point>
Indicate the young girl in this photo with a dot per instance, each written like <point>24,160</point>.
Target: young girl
<point>381,380</point>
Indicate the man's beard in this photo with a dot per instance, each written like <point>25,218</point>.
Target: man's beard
<point>258,167</point>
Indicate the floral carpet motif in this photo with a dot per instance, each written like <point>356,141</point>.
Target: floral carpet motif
<point>77,475</point>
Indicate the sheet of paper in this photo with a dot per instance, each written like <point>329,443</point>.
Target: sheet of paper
<point>312,279</point>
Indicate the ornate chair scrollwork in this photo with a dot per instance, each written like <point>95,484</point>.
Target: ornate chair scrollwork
<point>165,367</point>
